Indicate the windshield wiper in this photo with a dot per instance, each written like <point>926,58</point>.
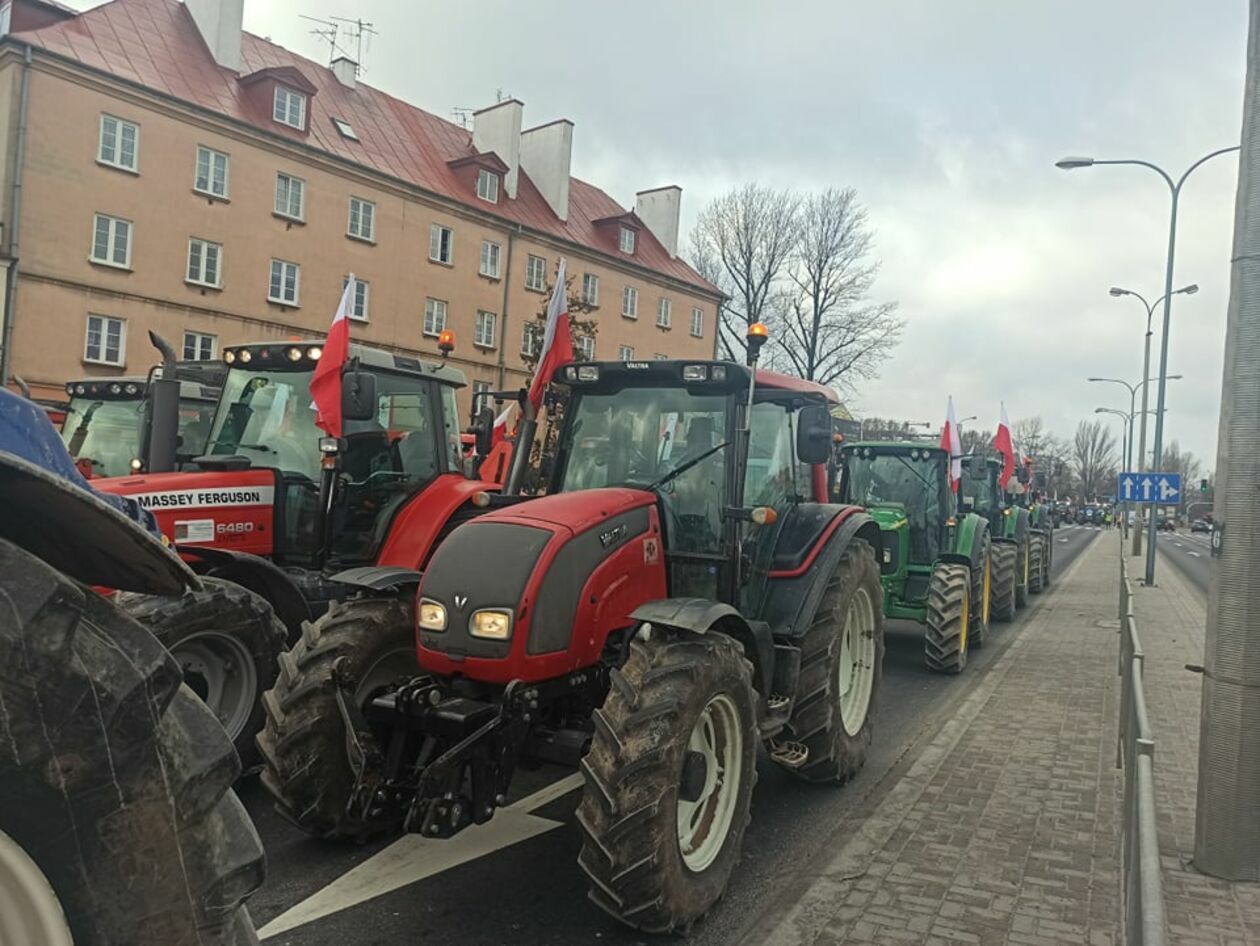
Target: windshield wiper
<point>680,470</point>
<point>261,448</point>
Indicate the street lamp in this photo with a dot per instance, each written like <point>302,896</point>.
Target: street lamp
<point>1133,389</point>
<point>1128,426</point>
<point>1174,188</point>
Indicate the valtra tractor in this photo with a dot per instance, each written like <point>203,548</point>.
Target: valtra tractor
<point>935,560</point>
<point>301,519</point>
<point>684,594</point>
<point>1010,531</point>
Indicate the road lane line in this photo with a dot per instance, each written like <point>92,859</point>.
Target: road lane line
<point>548,794</point>
<point>1195,554</point>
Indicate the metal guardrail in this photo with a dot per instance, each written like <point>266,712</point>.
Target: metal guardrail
<point>1141,877</point>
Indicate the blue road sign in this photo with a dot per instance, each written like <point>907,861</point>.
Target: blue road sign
<point>1161,488</point>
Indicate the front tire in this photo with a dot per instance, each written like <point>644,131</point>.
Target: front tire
<point>669,780</point>
<point>1037,563</point>
<point>981,595</point>
<point>1023,572</point>
<point>948,618</point>
<point>1005,558</point>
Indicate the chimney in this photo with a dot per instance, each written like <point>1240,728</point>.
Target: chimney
<point>220,24</point>
<point>546,153</point>
<point>346,70</point>
<point>498,129</point>
<point>659,210</point>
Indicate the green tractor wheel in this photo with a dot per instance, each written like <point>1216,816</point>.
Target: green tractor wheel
<point>948,618</point>
<point>1036,563</point>
<point>1022,573</point>
<point>981,596</point>
<point>1005,558</point>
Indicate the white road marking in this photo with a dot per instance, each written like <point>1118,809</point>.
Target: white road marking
<point>1178,544</point>
<point>413,858</point>
<point>1195,554</point>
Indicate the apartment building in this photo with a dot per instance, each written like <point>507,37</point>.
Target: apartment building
<point>163,169</point>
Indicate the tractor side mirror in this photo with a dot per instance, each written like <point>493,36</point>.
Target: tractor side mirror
<point>483,430</point>
<point>813,434</point>
<point>358,396</point>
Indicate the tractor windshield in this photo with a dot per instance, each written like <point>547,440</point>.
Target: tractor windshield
<point>978,487</point>
<point>267,416</point>
<point>103,435</point>
<point>915,483</point>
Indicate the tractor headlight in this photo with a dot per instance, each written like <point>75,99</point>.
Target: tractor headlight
<point>588,373</point>
<point>695,373</point>
<point>490,624</point>
<point>432,615</point>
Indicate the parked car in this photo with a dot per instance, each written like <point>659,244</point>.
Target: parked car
<point>1200,525</point>
<point>1166,524</point>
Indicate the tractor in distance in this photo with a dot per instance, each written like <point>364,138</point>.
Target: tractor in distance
<point>683,594</point>
<point>935,559</point>
<point>1035,562</point>
<point>1009,530</point>
<point>301,519</point>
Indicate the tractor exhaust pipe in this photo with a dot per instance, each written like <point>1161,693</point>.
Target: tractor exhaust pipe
<point>524,446</point>
<point>23,388</point>
<point>162,415</point>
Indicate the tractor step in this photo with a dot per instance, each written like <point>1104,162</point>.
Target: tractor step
<point>778,712</point>
<point>792,755</point>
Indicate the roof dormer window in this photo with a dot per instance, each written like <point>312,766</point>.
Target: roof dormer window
<point>289,107</point>
<point>627,240</point>
<point>488,185</point>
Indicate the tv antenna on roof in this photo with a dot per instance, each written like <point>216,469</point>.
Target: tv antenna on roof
<point>332,31</point>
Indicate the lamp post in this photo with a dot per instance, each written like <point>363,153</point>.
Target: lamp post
<point>1174,188</point>
<point>1133,412</point>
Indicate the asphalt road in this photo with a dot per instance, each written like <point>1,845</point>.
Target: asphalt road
<point>1190,553</point>
<point>515,880</point>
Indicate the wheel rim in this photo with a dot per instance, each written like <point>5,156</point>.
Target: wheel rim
<point>966,621</point>
<point>1027,563</point>
<point>988,585</point>
<point>857,663</point>
<point>703,824</point>
<point>29,909</point>
<point>221,671</point>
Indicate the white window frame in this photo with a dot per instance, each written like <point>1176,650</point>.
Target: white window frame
<point>491,259</point>
<point>116,161</point>
<point>359,284</point>
<point>286,211</point>
<point>664,312</point>
<point>435,244</point>
<point>437,311</point>
<point>488,185</point>
<point>626,241</point>
<point>630,302</point>
<point>586,344</point>
<point>198,338</point>
<point>111,243</point>
<point>625,353</point>
<point>297,282</point>
<point>531,339</point>
<point>211,154</point>
<point>345,128</point>
<point>590,289</point>
<point>200,278</point>
<point>283,115</point>
<point>536,264</point>
<point>697,322</point>
<point>102,348</point>
<point>480,339</point>
<point>368,233</point>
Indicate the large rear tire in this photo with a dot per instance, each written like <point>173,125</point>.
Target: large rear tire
<point>1036,563</point>
<point>1004,561</point>
<point>948,618</point>
<point>115,781</point>
<point>306,767</point>
<point>842,658</point>
<point>981,595</point>
<point>226,640</point>
<point>1023,572</point>
<point>679,723</point>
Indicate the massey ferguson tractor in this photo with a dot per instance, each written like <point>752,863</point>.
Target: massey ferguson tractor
<point>683,595</point>
<point>117,820</point>
<point>1010,532</point>
<point>936,563</point>
<point>302,519</point>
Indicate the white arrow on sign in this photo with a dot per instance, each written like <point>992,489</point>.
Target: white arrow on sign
<point>1128,488</point>
<point>1166,492</point>
<point>1146,488</point>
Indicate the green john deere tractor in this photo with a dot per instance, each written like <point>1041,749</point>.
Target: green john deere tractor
<point>934,562</point>
<point>1010,529</point>
<point>1041,539</point>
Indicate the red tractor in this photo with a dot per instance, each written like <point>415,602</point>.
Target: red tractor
<point>301,519</point>
<point>684,594</point>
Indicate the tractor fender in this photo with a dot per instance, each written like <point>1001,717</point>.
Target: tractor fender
<point>968,539</point>
<point>702,615</point>
<point>259,575</point>
<point>378,577</point>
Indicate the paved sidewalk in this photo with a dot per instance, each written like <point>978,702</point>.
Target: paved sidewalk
<point>1006,827</point>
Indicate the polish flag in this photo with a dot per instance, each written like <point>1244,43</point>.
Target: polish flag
<point>557,343</point>
<point>951,441</point>
<point>1003,444</point>
<point>326,382</point>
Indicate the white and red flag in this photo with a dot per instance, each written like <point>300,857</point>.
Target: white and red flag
<point>326,382</point>
<point>1003,444</point>
<point>951,441</point>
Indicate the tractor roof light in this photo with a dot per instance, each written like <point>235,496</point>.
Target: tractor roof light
<point>695,373</point>
<point>80,389</point>
<point>758,330</point>
<point>314,352</point>
<point>133,389</point>
<point>446,341</point>
<point>229,356</point>
<point>588,373</point>
<point>718,373</point>
<point>136,464</point>
<point>245,356</point>
<point>115,389</point>
<point>295,354</point>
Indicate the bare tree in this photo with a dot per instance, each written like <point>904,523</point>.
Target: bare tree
<point>741,242</point>
<point>831,333</point>
<point>1094,456</point>
<point>1029,434</point>
<point>1175,460</point>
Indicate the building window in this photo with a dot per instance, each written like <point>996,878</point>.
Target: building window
<point>586,347</point>
<point>204,258</point>
<point>625,353</point>
<point>488,185</point>
<point>289,108</point>
<point>120,143</point>
<point>212,173</point>
<point>199,346</point>
<point>362,223</point>
<point>484,334</point>
<point>358,298</point>
<point>441,243</point>
<point>590,289</point>
<point>480,390</point>
<point>490,259</point>
<point>289,196</point>
<point>531,339</point>
<point>630,302</point>
<point>106,341</point>
<point>697,322</point>
<point>434,317</point>
<point>659,357</point>
<point>285,279</point>
<point>111,241</point>
<point>662,313</point>
<point>345,128</point>
<point>536,273</point>
<point>627,240</point>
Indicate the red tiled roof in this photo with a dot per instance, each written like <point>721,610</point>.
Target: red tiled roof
<point>157,44</point>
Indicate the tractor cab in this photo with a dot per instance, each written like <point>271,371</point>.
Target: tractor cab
<point>906,488</point>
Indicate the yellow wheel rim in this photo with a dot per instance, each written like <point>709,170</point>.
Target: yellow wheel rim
<point>988,576</point>
<point>966,620</point>
<point>1027,563</point>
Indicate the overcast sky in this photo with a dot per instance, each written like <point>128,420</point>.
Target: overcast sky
<point>946,117</point>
